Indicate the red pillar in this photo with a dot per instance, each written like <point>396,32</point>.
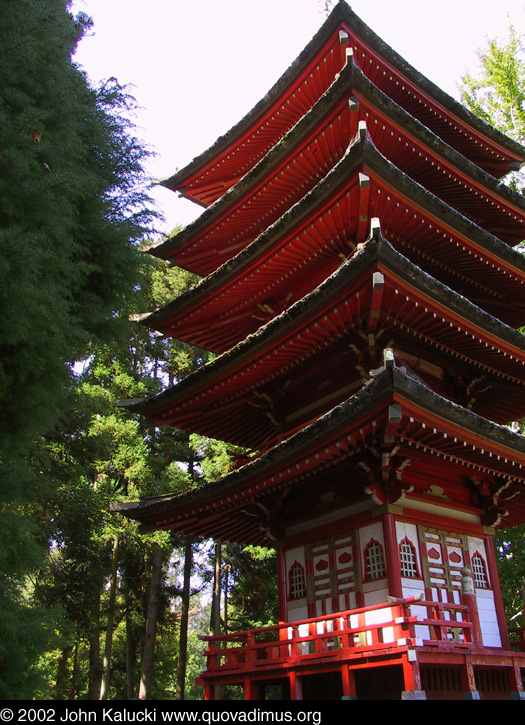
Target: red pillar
<point>296,689</point>
<point>468,680</point>
<point>348,682</point>
<point>412,678</point>
<point>282,585</point>
<point>251,690</point>
<point>209,691</point>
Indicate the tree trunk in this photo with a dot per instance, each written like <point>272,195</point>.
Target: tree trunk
<point>185,611</point>
<point>75,675</point>
<point>215,618</point>
<point>60,688</point>
<point>104,685</point>
<point>152,613</point>
<point>131,647</point>
<point>94,653</point>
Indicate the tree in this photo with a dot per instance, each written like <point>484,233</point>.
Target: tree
<point>73,205</point>
<point>498,94</point>
<point>73,202</point>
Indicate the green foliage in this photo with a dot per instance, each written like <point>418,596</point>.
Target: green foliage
<point>252,593</point>
<point>73,206</point>
<point>498,96</point>
<point>73,202</point>
<point>510,552</point>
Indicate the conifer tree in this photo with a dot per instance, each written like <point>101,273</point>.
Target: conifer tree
<point>73,205</point>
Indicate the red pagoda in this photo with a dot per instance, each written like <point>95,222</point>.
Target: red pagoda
<point>361,288</point>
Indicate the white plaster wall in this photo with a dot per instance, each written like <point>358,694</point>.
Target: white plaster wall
<point>488,619</point>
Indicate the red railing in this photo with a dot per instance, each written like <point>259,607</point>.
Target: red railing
<point>393,624</point>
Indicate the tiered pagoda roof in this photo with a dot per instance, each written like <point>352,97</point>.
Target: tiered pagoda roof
<point>395,426</point>
<point>356,210</point>
<point>233,155</point>
<point>313,146</point>
<point>313,355</point>
<point>308,242</point>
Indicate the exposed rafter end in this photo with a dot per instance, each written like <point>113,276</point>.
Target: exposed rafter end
<point>375,228</point>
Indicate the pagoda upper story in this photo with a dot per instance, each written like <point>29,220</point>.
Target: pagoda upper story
<point>208,177</point>
<point>355,153</point>
<point>350,140</point>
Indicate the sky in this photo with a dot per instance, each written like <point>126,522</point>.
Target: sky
<point>196,67</point>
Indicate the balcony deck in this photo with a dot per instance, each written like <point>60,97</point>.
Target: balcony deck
<point>417,637</point>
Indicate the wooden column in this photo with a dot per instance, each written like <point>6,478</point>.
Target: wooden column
<point>348,682</point>
<point>412,678</point>
<point>209,691</point>
<point>468,681</point>
<point>282,584</point>
<point>516,682</point>
<point>296,687</point>
<point>251,690</point>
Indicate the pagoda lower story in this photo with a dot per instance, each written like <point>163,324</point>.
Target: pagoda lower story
<point>382,513</point>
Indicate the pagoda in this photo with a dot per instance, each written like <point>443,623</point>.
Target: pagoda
<point>361,287</point>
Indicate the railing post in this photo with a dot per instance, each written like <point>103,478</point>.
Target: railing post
<point>251,654</point>
<point>399,616</point>
<point>296,646</point>
<point>347,637</point>
<point>316,643</point>
<point>212,657</point>
<point>469,597</point>
<point>284,650</point>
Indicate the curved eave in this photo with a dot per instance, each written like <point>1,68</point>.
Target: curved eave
<point>293,166</point>
<point>448,118</point>
<point>234,153</point>
<point>233,294</point>
<point>421,420</point>
<point>502,154</point>
<point>376,290</point>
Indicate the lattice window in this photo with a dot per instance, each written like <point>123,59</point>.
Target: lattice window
<point>480,573</point>
<point>407,555</point>
<point>296,581</point>
<point>374,561</point>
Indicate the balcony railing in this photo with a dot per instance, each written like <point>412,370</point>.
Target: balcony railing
<point>348,634</point>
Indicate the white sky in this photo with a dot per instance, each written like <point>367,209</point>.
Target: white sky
<point>197,66</point>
